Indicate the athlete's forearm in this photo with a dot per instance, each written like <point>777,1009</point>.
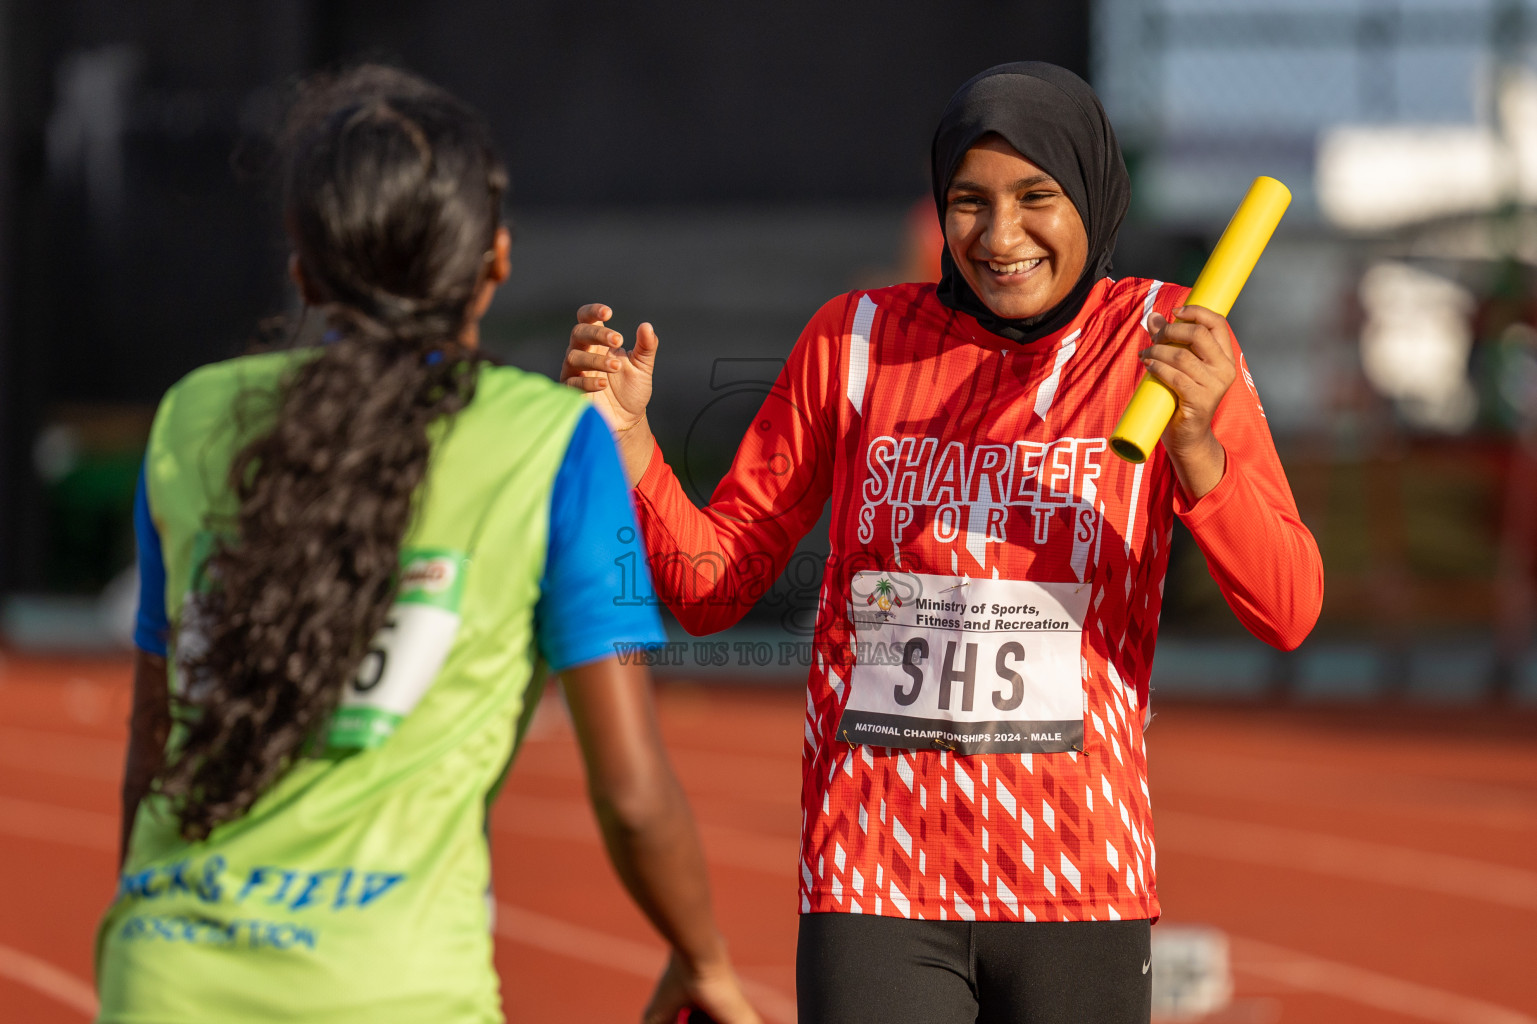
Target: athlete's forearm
<point>1263,558</point>
<point>636,445</point>
<point>1265,561</point>
<point>1199,468</point>
<point>655,849</point>
<point>710,565</point>
<point>149,724</point>
<point>640,807</point>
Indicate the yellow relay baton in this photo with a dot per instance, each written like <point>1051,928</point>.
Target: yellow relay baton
<point>1238,250</point>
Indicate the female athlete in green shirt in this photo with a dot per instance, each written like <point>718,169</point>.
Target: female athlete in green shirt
<point>357,558</point>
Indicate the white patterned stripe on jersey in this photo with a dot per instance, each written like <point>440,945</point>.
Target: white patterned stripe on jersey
<point>859,352</point>
<point>1131,516</point>
<point>1048,392</point>
<point>1136,476</point>
<point>1147,304</point>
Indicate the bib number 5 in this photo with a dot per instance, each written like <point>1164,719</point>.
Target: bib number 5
<point>406,655</point>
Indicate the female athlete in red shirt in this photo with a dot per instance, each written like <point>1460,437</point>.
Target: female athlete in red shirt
<point>977,839</point>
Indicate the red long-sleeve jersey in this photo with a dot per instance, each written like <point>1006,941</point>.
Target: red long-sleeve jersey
<point>975,706</point>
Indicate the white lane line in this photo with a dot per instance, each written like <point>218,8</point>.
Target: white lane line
<point>554,817</point>
<point>514,814</point>
<point>539,816</point>
<point>1267,845</point>
<point>626,956</point>
<point>1346,858</point>
<point>566,818</point>
<point>1276,780</point>
<point>1237,840</point>
<point>43,977</point>
<point>95,757</point>
<point>706,772</point>
<point>1381,991</point>
<point>29,820</point>
<point>61,753</point>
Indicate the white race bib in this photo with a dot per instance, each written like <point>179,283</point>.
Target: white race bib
<point>403,659</point>
<point>406,655</point>
<point>969,665</point>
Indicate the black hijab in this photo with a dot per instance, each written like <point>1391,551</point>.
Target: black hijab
<point>1054,120</point>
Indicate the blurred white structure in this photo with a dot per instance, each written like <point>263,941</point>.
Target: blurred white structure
<point>1404,124</point>
<point>1415,344</point>
<point>1376,177</point>
<point>1192,972</point>
<point>89,121</point>
<point>1209,93</point>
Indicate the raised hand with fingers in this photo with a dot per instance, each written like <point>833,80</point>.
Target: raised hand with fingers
<point>1193,356</point>
<point>618,380</point>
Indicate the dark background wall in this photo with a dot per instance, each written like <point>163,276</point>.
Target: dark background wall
<point>706,101</point>
<point>132,248</point>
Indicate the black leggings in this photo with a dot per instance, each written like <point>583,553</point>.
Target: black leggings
<point>858,968</point>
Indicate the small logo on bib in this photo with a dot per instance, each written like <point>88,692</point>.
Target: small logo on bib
<point>880,591</point>
<point>433,575</point>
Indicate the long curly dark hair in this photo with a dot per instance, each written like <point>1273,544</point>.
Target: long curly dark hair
<point>392,201</point>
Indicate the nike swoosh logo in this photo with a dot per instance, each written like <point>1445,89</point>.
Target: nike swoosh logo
<point>1145,965</point>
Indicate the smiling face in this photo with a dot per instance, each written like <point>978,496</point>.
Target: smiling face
<point>1013,233</point>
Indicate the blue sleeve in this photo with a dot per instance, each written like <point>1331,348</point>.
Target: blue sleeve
<point>596,591</point>
<point>151,626</point>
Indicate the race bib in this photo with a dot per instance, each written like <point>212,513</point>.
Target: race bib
<point>406,655</point>
<point>969,665</point>
<point>402,661</point>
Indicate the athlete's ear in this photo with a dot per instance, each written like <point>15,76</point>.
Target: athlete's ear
<point>500,266</point>
<point>296,274</point>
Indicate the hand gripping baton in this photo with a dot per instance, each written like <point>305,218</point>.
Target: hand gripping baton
<point>1152,405</point>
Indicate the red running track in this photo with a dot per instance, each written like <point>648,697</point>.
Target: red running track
<point>1368,865</point>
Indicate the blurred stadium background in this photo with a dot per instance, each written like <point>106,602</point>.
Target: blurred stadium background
<point>721,170</point>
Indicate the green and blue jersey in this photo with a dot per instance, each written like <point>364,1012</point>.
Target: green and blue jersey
<point>592,539</point>
<point>354,889</point>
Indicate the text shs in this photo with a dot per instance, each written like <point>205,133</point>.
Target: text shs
<point>984,665</point>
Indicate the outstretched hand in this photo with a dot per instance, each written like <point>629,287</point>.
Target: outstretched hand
<point>618,380</point>
<point>1193,357</point>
